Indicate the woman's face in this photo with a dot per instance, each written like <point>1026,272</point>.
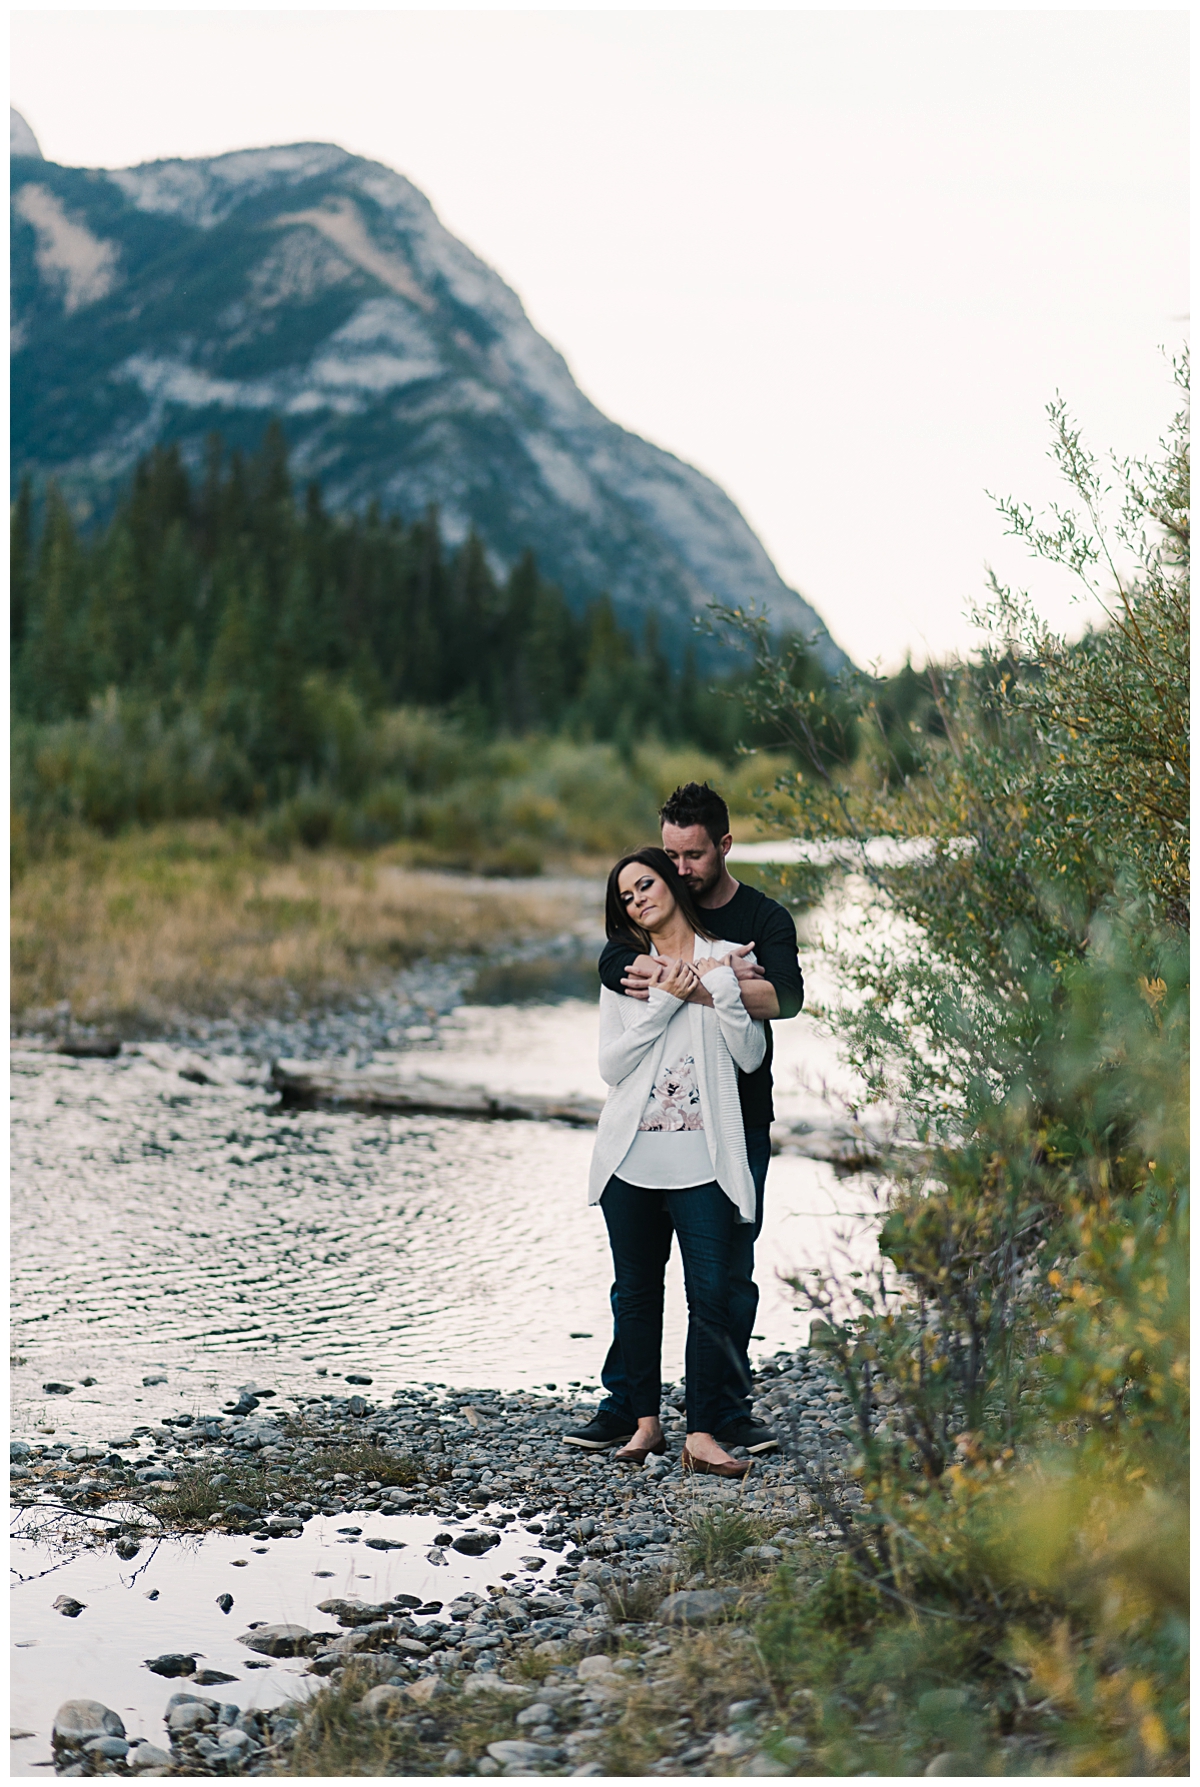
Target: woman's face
<point>645,896</point>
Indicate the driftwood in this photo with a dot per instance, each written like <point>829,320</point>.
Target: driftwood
<point>320,1083</point>
<point>328,1084</point>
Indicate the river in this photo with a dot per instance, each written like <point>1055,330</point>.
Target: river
<point>200,1232</point>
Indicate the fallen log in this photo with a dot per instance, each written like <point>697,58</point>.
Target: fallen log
<point>314,1084</point>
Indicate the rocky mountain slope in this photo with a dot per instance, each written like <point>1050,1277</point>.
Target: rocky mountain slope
<point>161,302</point>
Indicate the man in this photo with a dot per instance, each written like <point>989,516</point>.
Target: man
<point>696,836</point>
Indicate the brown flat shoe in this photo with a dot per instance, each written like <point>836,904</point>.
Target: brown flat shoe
<point>639,1454</point>
<point>737,1467</point>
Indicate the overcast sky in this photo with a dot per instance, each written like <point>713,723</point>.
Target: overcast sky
<point>839,261</point>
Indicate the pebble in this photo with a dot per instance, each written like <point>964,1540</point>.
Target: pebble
<point>951,1762</point>
<point>171,1663</point>
<point>511,1752</point>
<point>276,1641</point>
<point>149,1757</point>
<point>429,1687</point>
<point>596,1668</point>
<point>384,1700</point>
<point>193,1715</point>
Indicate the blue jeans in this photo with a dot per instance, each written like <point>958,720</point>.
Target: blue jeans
<point>640,1225</point>
<point>736,1389</point>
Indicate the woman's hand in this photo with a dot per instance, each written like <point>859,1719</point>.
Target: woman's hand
<point>706,964</point>
<point>677,977</point>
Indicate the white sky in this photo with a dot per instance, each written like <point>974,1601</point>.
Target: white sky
<point>838,260</point>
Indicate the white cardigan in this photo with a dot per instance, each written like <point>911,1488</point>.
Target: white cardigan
<point>724,1038</point>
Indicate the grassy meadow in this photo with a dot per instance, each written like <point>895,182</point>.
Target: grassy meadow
<point>216,918</point>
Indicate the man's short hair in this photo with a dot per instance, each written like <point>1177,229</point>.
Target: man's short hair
<point>696,804</point>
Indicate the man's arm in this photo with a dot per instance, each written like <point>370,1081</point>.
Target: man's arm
<point>615,959</point>
<point>759,997</point>
<point>775,946</point>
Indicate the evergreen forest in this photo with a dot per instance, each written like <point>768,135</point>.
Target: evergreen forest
<point>256,637</point>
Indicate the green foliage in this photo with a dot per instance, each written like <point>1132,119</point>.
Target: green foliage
<point>219,649</point>
<point>1017,1362</point>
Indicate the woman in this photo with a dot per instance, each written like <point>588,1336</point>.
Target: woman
<point>670,1154</point>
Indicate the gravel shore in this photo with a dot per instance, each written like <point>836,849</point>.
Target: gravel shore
<point>612,1565</point>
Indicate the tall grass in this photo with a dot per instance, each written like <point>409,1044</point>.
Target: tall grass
<point>145,930</point>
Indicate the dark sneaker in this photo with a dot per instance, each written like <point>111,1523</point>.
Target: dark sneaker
<point>601,1432</point>
<point>753,1435</point>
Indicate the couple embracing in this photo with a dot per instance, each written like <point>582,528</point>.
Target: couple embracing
<point>695,968</point>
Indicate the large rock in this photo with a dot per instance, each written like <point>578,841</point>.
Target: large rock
<point>429,1687</point>
<point>698,1606</point>
<point>597,1668</point>
<point>214,1706</point>
<point>77,1721</point>
<point>276,1641</point>
<point>385,1701</point>
<point>475,1544</point>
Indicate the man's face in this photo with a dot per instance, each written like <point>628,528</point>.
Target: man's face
<point>698,860</point>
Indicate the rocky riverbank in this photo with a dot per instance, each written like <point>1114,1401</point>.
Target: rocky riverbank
<point>532,1675</point>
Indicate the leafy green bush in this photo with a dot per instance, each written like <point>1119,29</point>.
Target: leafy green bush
<point>1016,1363</point>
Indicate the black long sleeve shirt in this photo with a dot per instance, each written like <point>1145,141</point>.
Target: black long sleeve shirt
<point>749,917</point>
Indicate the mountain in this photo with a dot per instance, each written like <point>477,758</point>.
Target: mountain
<point>162,302</point>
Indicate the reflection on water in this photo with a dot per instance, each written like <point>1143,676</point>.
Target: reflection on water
<point>99,1655</point>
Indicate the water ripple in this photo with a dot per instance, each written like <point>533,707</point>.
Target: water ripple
<point>195,1229</point>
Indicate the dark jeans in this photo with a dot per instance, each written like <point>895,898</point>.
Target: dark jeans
<point>640,1225</point>
<point>743,1308</point>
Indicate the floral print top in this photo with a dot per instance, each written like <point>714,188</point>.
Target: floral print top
<point>674,1101</point>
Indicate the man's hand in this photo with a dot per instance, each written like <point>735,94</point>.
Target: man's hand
<point>642,973</point>
<point>745,970</point>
